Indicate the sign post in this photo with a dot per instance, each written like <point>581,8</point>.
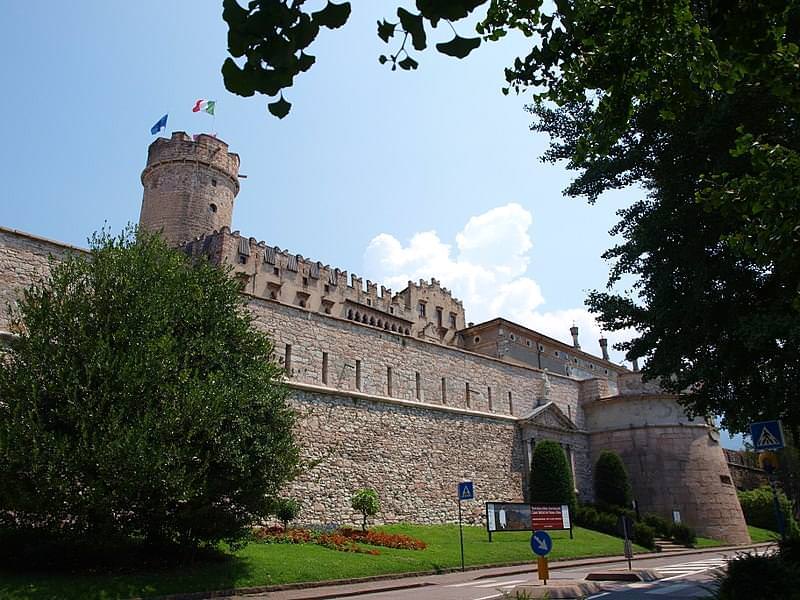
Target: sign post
<point>542,544</point>
<point>626,527</point>
<point>767,436</point>
<point>466,491</point>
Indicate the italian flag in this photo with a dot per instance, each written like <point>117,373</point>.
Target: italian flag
<point>205,106</point>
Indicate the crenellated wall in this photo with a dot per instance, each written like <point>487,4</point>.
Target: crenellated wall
<point>425,310</point>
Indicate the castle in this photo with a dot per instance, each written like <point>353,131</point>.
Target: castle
<point>398,392</point>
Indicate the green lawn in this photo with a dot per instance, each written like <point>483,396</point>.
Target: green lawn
<point>702,542</point>
<point>266,564</point>
<point>762,535</point>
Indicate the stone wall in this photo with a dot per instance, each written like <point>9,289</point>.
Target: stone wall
<point>673,463</point>
<point>367,359</point>
<point>413,454</point>
<point>24,260</point>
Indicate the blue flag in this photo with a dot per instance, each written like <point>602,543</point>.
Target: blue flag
<point>161,124</point>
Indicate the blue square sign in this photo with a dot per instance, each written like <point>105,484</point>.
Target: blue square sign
<point>767,435</point>
<point>466,491</point>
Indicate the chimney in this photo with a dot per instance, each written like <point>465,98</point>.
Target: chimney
<point>604,347</point>
<point>574,331</point>
<point>635,363</point>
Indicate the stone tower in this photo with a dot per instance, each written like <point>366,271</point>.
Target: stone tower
<point>189,186</point>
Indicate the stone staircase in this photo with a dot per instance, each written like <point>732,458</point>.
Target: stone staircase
<point>663,545</point>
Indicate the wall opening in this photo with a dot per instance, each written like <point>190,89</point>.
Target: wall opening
<point>489,398</point>
<point>419,385</point>
<point>444,390</point>
<point>325,368</point>
<point>358,375</point>
<point>388,381</point>
<point>466,395</point>
<point>287,360</point>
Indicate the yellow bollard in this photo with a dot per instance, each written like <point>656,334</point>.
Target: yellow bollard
<point>542,569</point>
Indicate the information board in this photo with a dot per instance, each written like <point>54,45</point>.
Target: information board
<point>521,516</point>
<point>550,516</point>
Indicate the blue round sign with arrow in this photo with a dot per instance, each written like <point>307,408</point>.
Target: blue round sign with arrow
<point>541,543</point>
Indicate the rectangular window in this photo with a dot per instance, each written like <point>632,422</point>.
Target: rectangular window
<point>358,375</point>
<point>489,397</point>
<point>510,404</point>
<point>466,394</point>
<point>421,309</point>
<point>287,360</point>
<point>419,385</point>
<point>325,368</point>
<point>444,390</point>
<point>452,321</point>
<point>439,316</point>
<point>388,381</point>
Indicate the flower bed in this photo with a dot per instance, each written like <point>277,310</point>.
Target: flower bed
<point>343,540</point>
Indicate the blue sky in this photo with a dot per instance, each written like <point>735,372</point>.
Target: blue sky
<point>391,175</point>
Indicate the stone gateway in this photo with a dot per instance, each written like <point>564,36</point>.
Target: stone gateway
<point>396,391</point>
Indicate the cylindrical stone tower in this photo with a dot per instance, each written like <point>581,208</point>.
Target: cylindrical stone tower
<point>189,187</point>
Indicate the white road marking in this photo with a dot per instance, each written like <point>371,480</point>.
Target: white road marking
<point>487,597</point>
<point>473,582</point>
<point>687,569</point>
<point>503,584</point>
<point>598,595</point>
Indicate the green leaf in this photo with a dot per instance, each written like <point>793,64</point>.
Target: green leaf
<point>333,15</point>
<point>413,25</point>
<point>305,61</point>
<point>280,108</point>
<point>386,30</point>
<point>408,63</point>
<point>458,47</point>
<point>237,80</point>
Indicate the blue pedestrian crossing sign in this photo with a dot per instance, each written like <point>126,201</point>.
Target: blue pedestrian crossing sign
<point>541,543</point>
<point>466,491</point>
<point>767,435</point>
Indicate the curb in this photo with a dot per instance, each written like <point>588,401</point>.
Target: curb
<point>528,568</point>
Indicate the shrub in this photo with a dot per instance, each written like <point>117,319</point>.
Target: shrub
<point>286,510</point>
<point>682,534</point>
<point>644,535</point>
<point>759,510</point>
<point>366,502</point>
<point>611,484</point>
<point>753,577</point>
<point>660,525</point>
<point>140,403</point>
<point>551,479</point>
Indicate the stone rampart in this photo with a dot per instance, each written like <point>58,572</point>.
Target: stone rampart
<point>24,260</point>
<point>413,454</point>
<point>323,350</point>
<point>674,463</point>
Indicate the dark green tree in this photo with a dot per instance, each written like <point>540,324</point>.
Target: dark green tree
<point>551,477</point>
<point>611,485</point>
<point>286,510</point>
<point>140,403</point>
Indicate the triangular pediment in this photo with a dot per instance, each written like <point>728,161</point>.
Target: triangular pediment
<point>550,416</point>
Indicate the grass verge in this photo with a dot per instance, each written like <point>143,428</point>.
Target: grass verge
<point>757,534</point>
<point>269,564</point>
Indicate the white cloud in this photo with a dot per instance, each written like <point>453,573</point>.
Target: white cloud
<point>486,270</point>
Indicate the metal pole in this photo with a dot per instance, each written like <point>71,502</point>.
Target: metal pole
<point>461,534</point>
<point>778,512</point>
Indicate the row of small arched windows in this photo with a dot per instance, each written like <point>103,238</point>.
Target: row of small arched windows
<point>371,320</point>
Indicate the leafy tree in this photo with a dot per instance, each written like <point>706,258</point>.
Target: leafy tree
<point>551,477</point>
<point>286,510</point>
<point>696,102</point>
<point>611,485</point>
<point>366,502</point>
<point>758,507</point>
<point>139,402</point>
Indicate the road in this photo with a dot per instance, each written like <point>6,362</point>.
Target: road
<point>683,577</point>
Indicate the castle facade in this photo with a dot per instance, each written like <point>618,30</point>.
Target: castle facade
<point>396,391</point>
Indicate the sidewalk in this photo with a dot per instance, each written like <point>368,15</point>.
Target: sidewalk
<point>321,590</point>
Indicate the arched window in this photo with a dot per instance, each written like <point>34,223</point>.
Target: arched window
<point>372,320</point>
<point>350,314</point>
<point>393,327</point>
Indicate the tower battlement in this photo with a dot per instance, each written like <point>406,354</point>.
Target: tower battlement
<point>189,186</point>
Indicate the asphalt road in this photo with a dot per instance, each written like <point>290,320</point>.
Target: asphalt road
<point>683,577</point>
